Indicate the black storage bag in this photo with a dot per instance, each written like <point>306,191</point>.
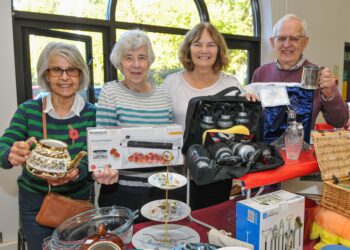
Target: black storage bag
<point>193,135</point>
<point>193,131</point>
<point>203,176</point>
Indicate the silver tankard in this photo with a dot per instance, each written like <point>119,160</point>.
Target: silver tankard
<point>310,77</point>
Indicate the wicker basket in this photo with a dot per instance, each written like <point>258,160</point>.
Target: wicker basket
<point>333,156</point>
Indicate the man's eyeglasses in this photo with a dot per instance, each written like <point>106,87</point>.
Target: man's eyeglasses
<point>57,72</point>
<point>292,39</point>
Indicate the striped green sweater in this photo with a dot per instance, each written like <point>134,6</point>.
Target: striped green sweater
<point>119,106</point>
<point>27,122</point>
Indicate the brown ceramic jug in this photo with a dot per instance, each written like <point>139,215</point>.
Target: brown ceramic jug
<point>103,241</point>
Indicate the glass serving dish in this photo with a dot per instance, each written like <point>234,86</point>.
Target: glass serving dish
<point>74,232</point>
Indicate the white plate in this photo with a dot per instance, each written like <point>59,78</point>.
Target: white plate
<point>159,180</point>
<point>155,210</point>
<point>195,246</point>
<point>233,248</point>
<point>154,237</point>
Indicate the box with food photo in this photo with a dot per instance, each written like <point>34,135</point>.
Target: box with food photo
<point>134,147</point>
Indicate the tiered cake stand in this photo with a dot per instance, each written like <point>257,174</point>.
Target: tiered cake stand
<point>165,235</point>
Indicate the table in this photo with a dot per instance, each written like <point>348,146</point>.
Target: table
<point>306,164</point>
<point>216,216</point>
<point>221,216</point>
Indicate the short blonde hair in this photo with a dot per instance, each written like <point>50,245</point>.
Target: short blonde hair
<point>194,35</point>
<point>131,40</point>
<point>71,54</point>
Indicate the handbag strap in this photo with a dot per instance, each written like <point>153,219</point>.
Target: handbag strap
<point>45,131</point>
<point>44,118</point>
<point>228,90</point>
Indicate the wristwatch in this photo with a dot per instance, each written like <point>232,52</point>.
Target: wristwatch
<point>327,99</point>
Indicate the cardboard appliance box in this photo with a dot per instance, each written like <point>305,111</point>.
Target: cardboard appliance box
<point>134,147</point>
<point>271,221</point>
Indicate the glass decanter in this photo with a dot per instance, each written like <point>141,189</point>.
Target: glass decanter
<point>294,138</point>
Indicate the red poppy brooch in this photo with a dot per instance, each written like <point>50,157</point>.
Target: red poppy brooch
<point>73,133</point>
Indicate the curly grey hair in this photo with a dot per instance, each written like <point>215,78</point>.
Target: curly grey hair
<point>131,40</point>
<point>288,17</point>
<point>67,51</point>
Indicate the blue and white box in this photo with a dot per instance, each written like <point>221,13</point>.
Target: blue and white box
<point>272,221</point>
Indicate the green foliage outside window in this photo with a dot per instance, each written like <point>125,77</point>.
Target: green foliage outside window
<point>229,16</point>
<point>78,8</point>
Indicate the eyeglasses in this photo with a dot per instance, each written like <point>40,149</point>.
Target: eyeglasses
<point>292,39</point>
<point>57,72</point>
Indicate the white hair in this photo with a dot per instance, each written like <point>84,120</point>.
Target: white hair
<point>131,40</point>
<point>288,17</point>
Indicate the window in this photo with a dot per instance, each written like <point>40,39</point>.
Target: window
<point>241,23</point>
<point>76,8</point>
<point>238,64</point>
<point>95,25</point>
<point>176,14</point>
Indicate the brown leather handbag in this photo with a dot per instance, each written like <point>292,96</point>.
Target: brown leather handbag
<point>57,208</point>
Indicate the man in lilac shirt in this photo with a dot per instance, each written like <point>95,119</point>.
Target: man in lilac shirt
<point>288,42</point>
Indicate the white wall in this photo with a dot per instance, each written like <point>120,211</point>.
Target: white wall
<point>8,104</point>
<point>329,29</point>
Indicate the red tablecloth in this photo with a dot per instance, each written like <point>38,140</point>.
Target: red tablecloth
<point>221,216</point>
<point>306,164</point>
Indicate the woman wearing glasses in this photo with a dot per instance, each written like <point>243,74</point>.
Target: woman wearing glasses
<point>62,72</point>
